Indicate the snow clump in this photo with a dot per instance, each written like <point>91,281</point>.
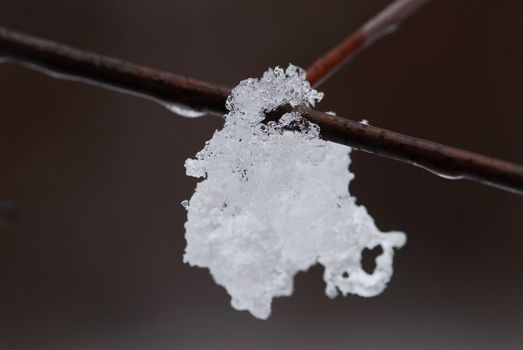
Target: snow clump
<point>274,201</point>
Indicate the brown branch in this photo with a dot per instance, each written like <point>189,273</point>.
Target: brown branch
<point>382,24</point>
<point>56,59</point>
<point>65,62</point>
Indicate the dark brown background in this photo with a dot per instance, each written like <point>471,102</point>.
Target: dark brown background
<point>94,259</point>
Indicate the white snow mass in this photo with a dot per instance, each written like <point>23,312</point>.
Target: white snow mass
<point>274,201</point>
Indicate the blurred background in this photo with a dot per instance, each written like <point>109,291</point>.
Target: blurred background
<point>93,257</point>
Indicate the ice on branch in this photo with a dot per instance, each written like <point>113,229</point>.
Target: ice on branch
<point>274,201</point>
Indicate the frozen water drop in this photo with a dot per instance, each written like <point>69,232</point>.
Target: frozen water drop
<point>184,111</point>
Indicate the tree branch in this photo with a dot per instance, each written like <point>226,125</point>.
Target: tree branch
<point>65,62</point>
<point>380,25</point>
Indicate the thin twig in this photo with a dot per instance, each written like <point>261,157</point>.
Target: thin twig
<point>382,24</point>
<point>64,61</point>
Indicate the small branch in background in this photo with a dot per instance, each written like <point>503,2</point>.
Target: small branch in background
<point>382,24</point>
<point>65,62</point>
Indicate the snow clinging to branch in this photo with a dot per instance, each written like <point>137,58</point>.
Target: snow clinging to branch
<point>274,201</point>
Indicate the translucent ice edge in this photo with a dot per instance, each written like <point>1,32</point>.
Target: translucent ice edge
<point>184,111</point>
<point>274,201</point>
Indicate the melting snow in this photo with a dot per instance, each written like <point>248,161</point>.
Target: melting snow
<point>274,201</point>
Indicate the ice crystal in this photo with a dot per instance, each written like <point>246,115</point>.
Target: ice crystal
<point>274,201</point>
